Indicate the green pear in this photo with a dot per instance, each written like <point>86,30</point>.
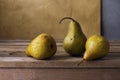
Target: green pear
<point>42,47</point>
<point>96,47</point>
<point>74,42</point>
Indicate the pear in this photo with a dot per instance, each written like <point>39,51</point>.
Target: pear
<point>74,42</point>
<point>42,47</point>
<point>96,47</point>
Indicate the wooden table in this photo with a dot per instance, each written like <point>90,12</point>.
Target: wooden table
<point>15,65</point>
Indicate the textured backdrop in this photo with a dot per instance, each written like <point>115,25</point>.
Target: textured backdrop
<point>25,19</point>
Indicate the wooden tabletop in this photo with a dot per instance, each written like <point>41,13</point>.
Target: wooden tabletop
<point>12,55</point>
<point>15,65</point>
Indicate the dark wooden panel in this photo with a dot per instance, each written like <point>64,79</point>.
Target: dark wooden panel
<point>59,74</point>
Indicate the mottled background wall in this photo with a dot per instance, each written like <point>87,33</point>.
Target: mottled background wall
<point>25,19</point>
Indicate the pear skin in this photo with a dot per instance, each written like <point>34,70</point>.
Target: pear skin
<point>74,42</point>
<point>27,51</point>
<point>96,47</point>
<point>42,47</point>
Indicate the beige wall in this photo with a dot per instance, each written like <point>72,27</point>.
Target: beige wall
<point>25,19</point>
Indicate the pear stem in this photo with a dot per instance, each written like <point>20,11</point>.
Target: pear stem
<point>80,62</point>
<point>67,18</point>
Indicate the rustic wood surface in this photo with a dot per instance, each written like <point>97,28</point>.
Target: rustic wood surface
<point>15,65</point>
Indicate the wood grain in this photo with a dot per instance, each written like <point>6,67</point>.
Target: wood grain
<point>59,74</point>
<point>17,66</point>
<point>13,53</point>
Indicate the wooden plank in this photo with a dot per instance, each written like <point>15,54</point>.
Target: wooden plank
<point>21,42</point>
<point>22,46</point>
<point>59,74</point>
<point>13,55</point>
<point>17,66</point>
<point>30,63</point>
<point>59,41</point>
<point>60,60</point>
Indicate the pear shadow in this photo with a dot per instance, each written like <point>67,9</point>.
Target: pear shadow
<point>62,55</point>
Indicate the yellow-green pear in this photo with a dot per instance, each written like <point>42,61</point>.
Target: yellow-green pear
<point>74,42</point>
<point>42,47</point>
<point>96,47</point>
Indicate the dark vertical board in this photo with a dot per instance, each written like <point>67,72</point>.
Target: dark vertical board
<point>111,19</point>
